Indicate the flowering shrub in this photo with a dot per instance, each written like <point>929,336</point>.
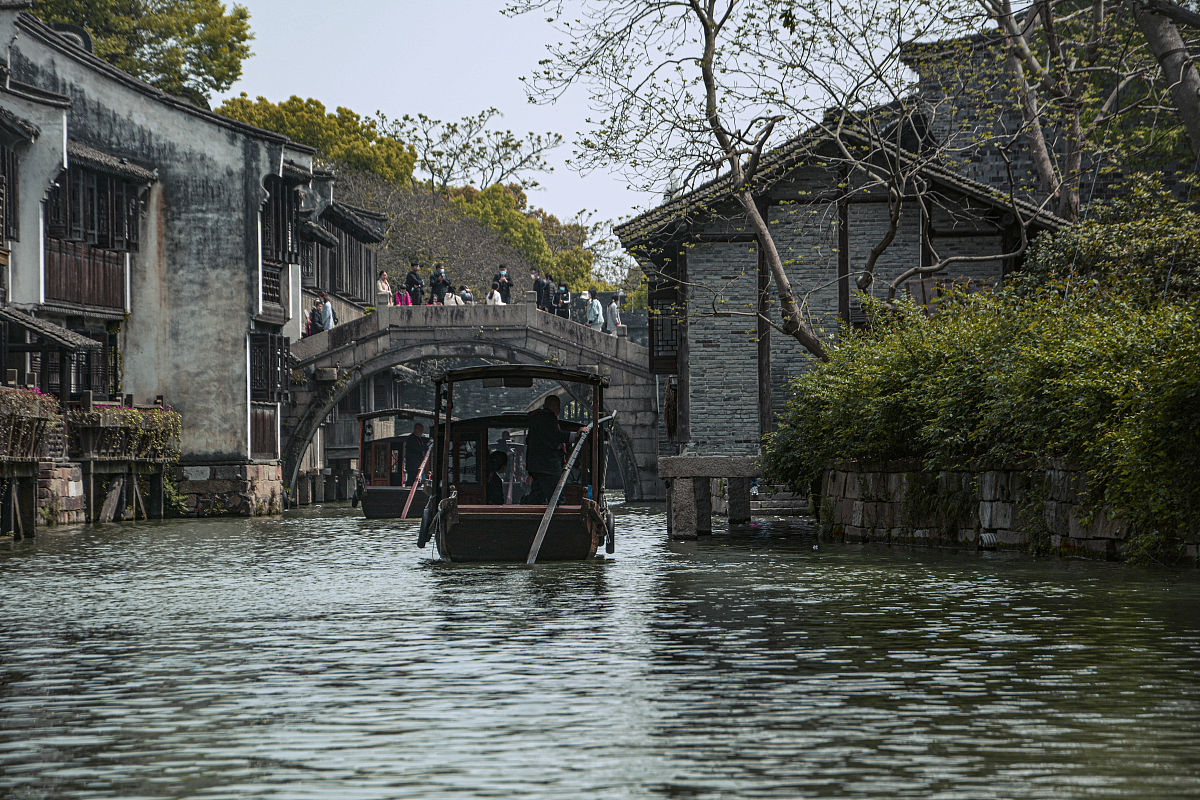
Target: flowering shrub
<point>27,403</point>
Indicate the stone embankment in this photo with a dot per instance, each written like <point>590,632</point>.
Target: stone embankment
<point>1040,509</point>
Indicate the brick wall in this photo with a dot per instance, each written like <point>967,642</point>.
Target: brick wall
<point>723,348</point>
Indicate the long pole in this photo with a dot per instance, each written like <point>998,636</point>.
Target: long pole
<point>562,481</point>
<point>416,482</point>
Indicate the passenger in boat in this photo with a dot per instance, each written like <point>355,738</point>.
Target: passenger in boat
<point>544,454</point>
<point>414,447</point>
<point>497,464</point>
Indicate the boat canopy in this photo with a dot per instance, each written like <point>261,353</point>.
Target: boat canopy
<point>406,413</point>
<point>517,375</point>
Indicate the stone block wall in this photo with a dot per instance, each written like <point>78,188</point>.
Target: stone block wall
<point>60,498</point>
<point>899,503</point>
<point>247,490</point>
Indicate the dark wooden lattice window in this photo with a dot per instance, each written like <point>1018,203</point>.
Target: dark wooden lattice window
<point>281,223</point>
<point>268,367</point>
<point>11,187</point>
<point>665,313</point>
<point>272,289</point>
<point>58,210</point>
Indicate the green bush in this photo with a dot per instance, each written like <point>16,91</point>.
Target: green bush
<point>1088,373</point>
<point>1146,244</point>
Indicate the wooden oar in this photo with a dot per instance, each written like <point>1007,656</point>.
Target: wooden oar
<point>416,482</point>
<point>562,481</point>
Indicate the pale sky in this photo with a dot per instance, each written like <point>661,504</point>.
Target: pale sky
<point>445,58</point>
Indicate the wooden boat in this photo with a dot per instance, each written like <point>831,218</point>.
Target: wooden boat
<point>463,526</point>
<point>385,461</point>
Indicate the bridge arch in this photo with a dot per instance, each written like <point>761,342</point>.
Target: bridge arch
<point>311,408</point>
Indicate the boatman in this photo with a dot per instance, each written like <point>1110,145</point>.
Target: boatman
<point>415,445</point>
<point>544,455</point>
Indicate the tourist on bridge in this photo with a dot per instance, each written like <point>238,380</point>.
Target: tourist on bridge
<point>383,290</point>
<point>544,454</point>
<point>465,293</point>
<point>539,290</point>
<point>612,314</point>
<point>439,285</point>
<point>562,301</point>
<point>593,311</point>
<point>502,280</point>
<point>452,299</point>
<point>402,298</point>
<point>414,283</point>
<point>314,317</point>
<point>494,298</point>
<point>327,317</point>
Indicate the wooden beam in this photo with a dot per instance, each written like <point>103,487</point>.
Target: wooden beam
<point>109,509</point>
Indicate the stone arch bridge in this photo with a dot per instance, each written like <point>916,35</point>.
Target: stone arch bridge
<point>394,336</point>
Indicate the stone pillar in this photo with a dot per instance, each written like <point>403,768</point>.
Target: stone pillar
<point>739,501</point>
<point>702,488</point>
<point>318,488</point>
<point>682,508</point>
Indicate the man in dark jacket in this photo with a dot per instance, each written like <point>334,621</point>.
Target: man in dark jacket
<point>544,454</point>
<point>539,288</point>
<point>414,283</point>
<point>505,284</point>
<point>439,285</point>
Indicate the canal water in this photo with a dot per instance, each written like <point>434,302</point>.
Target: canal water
<point>323,656</point>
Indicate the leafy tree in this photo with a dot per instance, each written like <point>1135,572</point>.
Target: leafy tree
<point>341,137</point>
<point>470,153</point>
<point>188,48</point>
<point>503,210</point>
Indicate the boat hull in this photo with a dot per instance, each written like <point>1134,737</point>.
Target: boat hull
<point>485,533</point>
<point>387,502</point>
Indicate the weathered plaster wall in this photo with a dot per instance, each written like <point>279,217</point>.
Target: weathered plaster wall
<point>40,164</point>
<point>195,279</point>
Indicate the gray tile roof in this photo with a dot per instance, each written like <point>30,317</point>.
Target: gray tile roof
<point>55,334</point>
<point>92,157</point>
<point>794,153</point>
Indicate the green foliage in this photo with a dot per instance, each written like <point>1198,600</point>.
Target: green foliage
<point>503,209</point>
<point>1091,376</point>
<point>188,48</point>
<point>1146,244</point>
<point>342,137</point>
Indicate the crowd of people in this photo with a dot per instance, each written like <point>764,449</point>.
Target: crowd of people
<point>553,297</point>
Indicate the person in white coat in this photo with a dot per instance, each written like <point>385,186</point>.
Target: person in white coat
<point>493,298</point>
<point>594,311</point>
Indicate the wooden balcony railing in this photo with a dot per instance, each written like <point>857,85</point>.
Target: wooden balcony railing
<point>82,275</point>
<point>102,432</point>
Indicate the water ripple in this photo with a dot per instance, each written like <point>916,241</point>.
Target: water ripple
<point>324,656</point>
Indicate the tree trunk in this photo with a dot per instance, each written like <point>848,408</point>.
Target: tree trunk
<point>1172,54</point>
<point>793,320</point>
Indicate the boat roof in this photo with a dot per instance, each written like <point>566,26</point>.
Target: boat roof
<point>407,413</point>
<point>535,371</point>
<point>513,419</point>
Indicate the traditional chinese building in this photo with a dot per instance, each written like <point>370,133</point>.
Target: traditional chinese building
<point>165,251</point>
